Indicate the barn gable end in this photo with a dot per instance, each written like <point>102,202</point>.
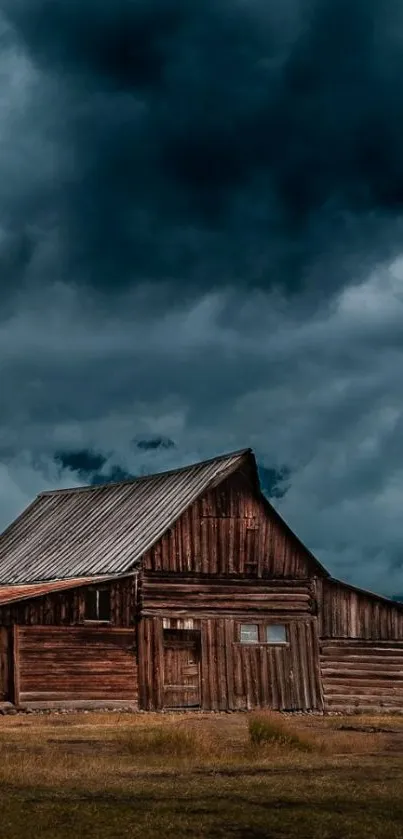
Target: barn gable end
<point>232,530</point>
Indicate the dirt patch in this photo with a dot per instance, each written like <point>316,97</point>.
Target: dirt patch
<point>395,744</point>
<point>392,737</point>
<point>368,729</point>
<point>83,746</point>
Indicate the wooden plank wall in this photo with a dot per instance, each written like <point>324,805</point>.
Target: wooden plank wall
<point>75,663</point>
<point>4,664</point>
<point>224,595</point>
<point>238,676</point>
<point>228,532</point>
<point>362,675</point>
<point>151,664</point>
<point>346,613</point>
<point>67,607</point>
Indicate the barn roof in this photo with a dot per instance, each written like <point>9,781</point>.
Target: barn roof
<point>103,530</point>
<point>73,537</point>
<point>9,594</point>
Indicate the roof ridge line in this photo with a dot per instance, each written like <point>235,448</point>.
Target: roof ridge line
<point>141,512</point>
<point>129,481</point>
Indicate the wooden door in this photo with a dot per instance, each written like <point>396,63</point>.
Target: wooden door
<point>182,668</point>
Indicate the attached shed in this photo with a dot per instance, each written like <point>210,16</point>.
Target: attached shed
<point>185,589</point>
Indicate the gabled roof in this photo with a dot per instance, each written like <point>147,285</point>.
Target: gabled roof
<point>103,530</point>
<point>74,537</point>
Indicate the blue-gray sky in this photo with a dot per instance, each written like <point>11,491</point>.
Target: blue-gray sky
<point>201,213</point>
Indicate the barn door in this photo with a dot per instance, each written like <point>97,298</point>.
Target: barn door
<point>182,668</point>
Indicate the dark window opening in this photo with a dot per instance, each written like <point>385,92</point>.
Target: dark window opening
<point>97,604</point>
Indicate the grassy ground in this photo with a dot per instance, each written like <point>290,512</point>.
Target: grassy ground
<point>110,775</point>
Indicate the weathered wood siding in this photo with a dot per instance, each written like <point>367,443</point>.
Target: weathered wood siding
<point>230,531</point>
<point>4,663</point>
<point>151,662</point>
<point>234,675</point>
<point>67,607</point>
<point>240,676</point>
<point>75,663</point>
<point>177,593</point>
<point>362,675</point>
<point>182,671</point>
<point>347,613</point>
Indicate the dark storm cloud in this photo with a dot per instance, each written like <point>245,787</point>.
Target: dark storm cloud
<point>164,149</point>
<point>151,444</point>
<point>90,467</point>
<point>84,462</point>
<point>225,142</point>
<point>83,385</point>
<point>95,468</point>
<point>122,44</point>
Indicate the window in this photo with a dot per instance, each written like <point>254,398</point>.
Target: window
<point>97,604</point>
<point>276,633</point>
<point>249,633</point>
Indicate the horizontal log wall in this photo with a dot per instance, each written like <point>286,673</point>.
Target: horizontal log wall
<point>230,532</point>
<point>67,607</point>
<point>362,675</point>
<point>237,676</point>
<point>74,663</point>
<point>181,593</point>
<point>346,613</point>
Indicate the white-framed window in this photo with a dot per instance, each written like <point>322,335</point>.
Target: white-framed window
<point>97,604</point>
<point>276,633</point>
<point>249,633</point>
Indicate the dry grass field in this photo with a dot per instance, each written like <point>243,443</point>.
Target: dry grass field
<point>245,776</point>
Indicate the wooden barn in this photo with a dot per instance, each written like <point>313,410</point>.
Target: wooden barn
<point>185,590</point>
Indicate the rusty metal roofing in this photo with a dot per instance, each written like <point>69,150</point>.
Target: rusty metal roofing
<point>9,594</point>
<point>103,530</point>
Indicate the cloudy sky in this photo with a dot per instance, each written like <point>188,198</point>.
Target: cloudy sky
<point>201,249</point>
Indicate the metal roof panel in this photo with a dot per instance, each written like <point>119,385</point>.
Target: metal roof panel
<point>104,529</point>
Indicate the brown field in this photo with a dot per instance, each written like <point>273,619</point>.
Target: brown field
<point>200,775</point>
